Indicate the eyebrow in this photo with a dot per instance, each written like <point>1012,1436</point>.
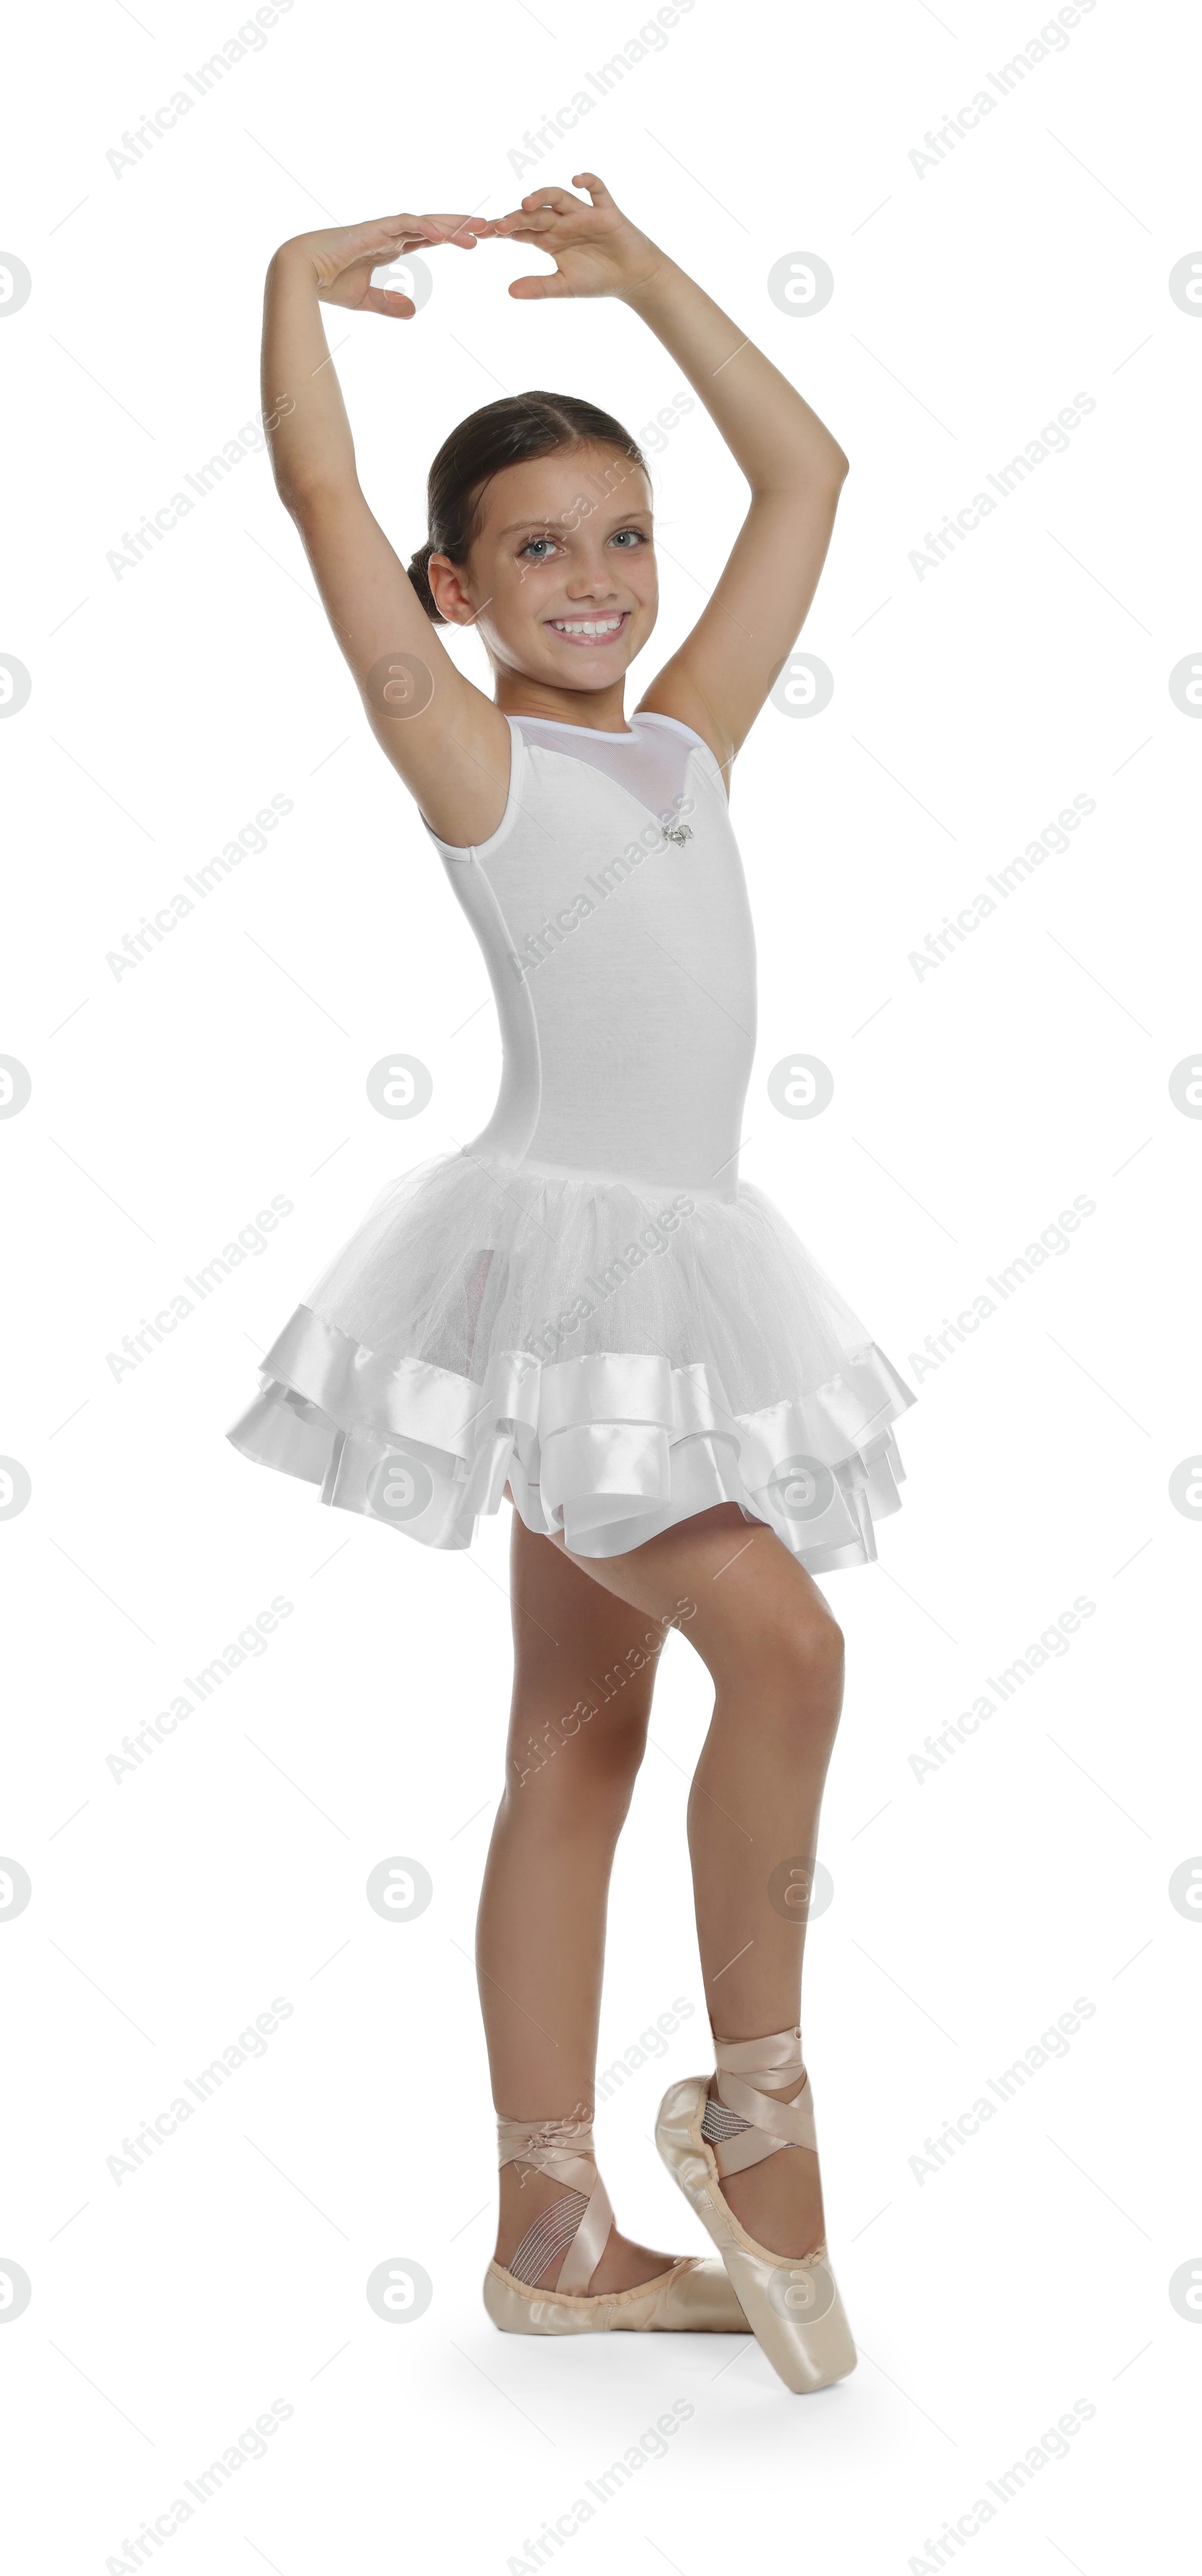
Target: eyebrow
<point>548,521</point>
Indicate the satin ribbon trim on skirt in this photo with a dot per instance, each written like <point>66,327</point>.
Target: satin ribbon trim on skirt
<point>611,1448</point>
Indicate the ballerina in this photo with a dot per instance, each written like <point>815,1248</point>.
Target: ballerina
<point>584,1310</point>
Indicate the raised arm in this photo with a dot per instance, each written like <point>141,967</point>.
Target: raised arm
<point>447,739</point>
<point>719,678</point>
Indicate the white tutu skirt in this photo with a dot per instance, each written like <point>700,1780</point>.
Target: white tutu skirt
<point>620,1355</point>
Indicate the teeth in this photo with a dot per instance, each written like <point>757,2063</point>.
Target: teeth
<point>587,625</point>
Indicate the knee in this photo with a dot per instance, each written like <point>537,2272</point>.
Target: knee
<point>611,1749</point>
<point>818,1646</point>
<point>586,1763</point>
<point>800,1656</point>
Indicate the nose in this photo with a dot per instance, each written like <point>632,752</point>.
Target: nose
<point>594,580</point>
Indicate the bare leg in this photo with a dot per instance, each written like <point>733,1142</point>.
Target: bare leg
<point>775,1654</point>
<point>570,1770</point>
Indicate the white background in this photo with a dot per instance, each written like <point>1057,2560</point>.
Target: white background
<point>971,1906</point>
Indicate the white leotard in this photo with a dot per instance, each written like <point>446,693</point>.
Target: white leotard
<point>622,962</point>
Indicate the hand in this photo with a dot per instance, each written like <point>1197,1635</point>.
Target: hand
<point>596,250</point>
<point>344,258</point>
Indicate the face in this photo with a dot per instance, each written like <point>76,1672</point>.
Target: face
<point>560,581</point>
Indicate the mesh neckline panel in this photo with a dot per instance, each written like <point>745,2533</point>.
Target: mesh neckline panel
<point>651,765</point>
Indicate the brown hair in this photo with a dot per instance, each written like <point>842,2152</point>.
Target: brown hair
<point>500,434</point>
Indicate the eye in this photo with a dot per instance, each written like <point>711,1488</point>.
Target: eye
<point>532,542</point>
<point>636,533</point>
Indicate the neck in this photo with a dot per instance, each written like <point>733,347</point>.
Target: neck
<point>600,709</point>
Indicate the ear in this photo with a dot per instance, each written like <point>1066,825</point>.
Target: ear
<point>447,591</point>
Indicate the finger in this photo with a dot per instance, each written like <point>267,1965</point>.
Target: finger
<point>384,299</point>
<point>536,233</point>
<point>404,227</point>
<point>559,201</point>
<point>529,290</point>
<point>512,225</point>
<point>596,187</point>
<point>462,229</point>
<point>385,247</point>
<point>382,254</point>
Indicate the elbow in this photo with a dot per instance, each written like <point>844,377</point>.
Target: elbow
<point>299,499</point>
<point>808,480</point>
<point>296,491</point>
<point>307,490</point>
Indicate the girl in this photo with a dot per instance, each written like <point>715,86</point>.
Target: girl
<point>585,1310</point>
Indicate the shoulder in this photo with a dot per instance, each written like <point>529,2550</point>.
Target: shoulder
<point>464,798</point>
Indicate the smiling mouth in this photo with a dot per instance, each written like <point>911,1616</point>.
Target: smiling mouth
<point>590,630</point>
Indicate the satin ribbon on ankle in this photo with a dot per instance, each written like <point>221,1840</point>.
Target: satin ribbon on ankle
<point>750,2071</point>
<point>564,2148</point>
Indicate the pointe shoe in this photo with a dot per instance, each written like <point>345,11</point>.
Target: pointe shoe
<point>695,2296</point>
<point>792,2305</point>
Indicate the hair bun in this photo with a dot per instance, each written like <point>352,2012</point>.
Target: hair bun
<point>419,575</point>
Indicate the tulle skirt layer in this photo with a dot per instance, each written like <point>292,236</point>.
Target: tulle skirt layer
<point>621,1356</point>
